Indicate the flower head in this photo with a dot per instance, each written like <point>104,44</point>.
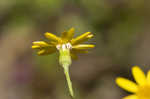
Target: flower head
<point>141,90</point>
<point>65,41</point>
<point>67,46</point>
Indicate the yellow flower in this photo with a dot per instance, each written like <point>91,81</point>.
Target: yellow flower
<point>67,46</point>
<point>66,41</point>
<point>141,90</point>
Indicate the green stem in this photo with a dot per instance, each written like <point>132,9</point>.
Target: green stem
<point>65,62</point>
<point>66,71</point>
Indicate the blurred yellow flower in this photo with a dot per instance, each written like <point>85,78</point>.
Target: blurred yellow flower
<point>66,41</point>
<point>141,90</point>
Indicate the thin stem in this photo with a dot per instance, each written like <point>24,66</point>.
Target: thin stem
<point>65,62</point>
<point>66,71</point>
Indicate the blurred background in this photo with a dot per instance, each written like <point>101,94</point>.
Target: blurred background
<point>122,36</point>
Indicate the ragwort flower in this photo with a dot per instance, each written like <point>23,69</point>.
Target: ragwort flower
<point>141,90</point>
<point>67,46</point>
<point>66,41</point>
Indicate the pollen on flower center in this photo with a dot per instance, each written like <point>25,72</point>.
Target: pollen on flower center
<point>144,92</point>
<point>64,46</point>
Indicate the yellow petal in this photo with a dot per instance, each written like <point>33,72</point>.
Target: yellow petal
<point>52,37</point>
<point>81,38</point>
<point>40,43</point>
<point>35,47</point>
<point>148,77</point>
<point>46,51</point>
<point>138,75</point>
<point>83,46</point>
<point>131,97</point>
<point>41,52</point>
<point>68,35</point>
<point>78,51</point>
<point>64,35</point>
<point>53,43</point>
<point>127,84</point>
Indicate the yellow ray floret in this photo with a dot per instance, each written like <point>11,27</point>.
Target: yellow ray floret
<point>138,75</point>
<point>82,38</point>
<point>40,43</point>
<point>148,77</point>
<point>45,52</point>
<point>127,84</point>
<point>35,46</point>
<point>65,40</point>
<point>131,97</point>
<point>76,51</point>
<point>83,46</point>
<point>52,37</point>
<point>141,90</point>
<point>68,35</point>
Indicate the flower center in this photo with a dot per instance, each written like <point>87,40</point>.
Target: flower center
<point>144,92</point>
<point>64,46</point>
